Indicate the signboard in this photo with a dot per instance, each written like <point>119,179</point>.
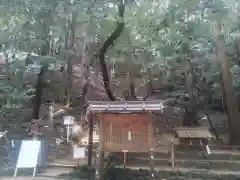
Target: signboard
<point>69,120</point>
<point>135,126</point>
<point>33,68</point>
<point>129,122</point>
<point>28,155</point>
<point>131,132</point>
<point>78,152</point>
<point>36,68</point>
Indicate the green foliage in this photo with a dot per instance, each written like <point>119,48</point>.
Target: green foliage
<point>168,37</point>
<point>13,92</point>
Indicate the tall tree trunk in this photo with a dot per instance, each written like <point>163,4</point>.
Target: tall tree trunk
<point>132,94</point>
<point>190,118</point>
<point>39,86</point>
<point>69,82</point>
<point>109,42</point>
<point>230,99</point>
<point>69,33</point>
<point>38,96</point>
<point>210,123</point>
<point>70,41</point>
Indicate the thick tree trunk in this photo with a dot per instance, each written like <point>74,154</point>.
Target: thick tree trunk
<point>132,94</point>
<point>230,99</point>
<point>210,123</point>
<point>70,41</point>
<point>190,118</point>
<point>38,96</point>
<point>69,82</point>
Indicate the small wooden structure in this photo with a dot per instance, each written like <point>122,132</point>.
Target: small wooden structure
<point>195,138</point>
<point>125,126</point>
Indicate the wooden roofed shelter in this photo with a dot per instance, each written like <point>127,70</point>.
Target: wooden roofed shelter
<point>193,135</point>
<point>125,126</point>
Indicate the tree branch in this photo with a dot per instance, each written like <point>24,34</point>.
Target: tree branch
<point>110,42</point>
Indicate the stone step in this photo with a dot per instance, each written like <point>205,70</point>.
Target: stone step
<point>188,163</point>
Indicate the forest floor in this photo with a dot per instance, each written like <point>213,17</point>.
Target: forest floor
<point>61,156</point>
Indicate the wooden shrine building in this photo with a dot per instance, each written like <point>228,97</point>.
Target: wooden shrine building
<point>124,126</point>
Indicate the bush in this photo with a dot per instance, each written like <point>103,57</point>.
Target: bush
<point>82,173</point>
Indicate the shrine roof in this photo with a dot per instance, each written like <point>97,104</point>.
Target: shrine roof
<point>126,106</point>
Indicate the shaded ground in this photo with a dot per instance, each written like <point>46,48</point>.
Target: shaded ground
<point>120,174</point>
<point>160,174</point>
<point>49,174</point>
<point>28,178</point>
<point>63,155</point>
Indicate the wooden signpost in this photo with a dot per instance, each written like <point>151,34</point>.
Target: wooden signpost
<point>28,156</point>
<point>127,132</point>
<point>78,153</point>
<point>123,127</point>
<point>36,68</point>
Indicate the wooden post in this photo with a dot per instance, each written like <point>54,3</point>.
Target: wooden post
<point>101,149</point>
<point>173,155</point>
<point>151,153</point>
<point>101,164</point>
<point>51,123</point>
<point>97,174</point>
<point>124,159</point>
<point>111,132</point>
<point>90,140</point>
<point>150,133</point>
